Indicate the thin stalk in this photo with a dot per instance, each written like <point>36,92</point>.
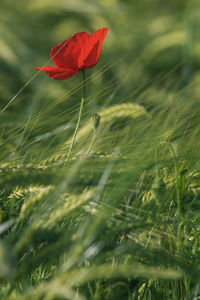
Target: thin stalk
<point>79,118</point>
<point>157,162</point>
<point>91,144</point>
<point>84,83</point>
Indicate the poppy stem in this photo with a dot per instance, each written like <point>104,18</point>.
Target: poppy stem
<point>79,119</point>
<point>91,144</point>
<point>95,119</point>
<point>84,83</point>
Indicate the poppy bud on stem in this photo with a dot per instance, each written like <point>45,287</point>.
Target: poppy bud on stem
<point>95,118</point>
<point>79,118</point>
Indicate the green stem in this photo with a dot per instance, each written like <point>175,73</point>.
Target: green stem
<point>157,161</point>
<point>79,118</point>
<point>91,144</point>
<point>84,83</point>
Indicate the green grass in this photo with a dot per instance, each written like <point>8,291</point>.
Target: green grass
<point>123,222</point>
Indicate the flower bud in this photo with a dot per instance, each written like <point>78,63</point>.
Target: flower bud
<point>95,118</point>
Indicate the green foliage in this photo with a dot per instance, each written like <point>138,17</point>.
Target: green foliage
<point>123,222</point>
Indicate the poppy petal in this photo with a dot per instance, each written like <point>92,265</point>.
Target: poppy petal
<point>91,50</point>
<point>66,54</point>
<point>92,57</point>
<point>57,73</point>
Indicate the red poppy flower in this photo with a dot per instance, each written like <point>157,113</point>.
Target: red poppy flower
<point>79,52</point>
